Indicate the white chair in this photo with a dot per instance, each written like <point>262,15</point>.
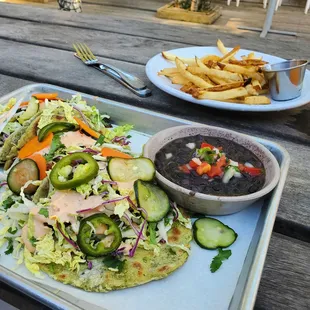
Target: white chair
<point>237,2</point>
<point>307,7</point>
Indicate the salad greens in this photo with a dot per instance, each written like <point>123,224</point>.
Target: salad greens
<point>71,209</point>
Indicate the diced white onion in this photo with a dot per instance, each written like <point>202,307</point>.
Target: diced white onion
<point>248,165</point>
<point>196,161</point>
<point>233,163</point>
<point>191,145</point>
<point>228,175</point>
<point>168,155</point>
<point>216,150</point>
<point>237,175</point>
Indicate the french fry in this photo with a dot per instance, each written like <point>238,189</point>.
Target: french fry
<point>207,58</point>
<point>243,71</point>
<point>195,70</point>
<point>179,79</point>
<point>168,71</point>
<point>256,85</point>
<point>192,78</point>
<point>226,86</point>
<point>230,55</point>
<point>222,95</point>
<point>222,47</point>
<point>172,57</point>
<point>223,78</point>
<point>251,90</point>
<point>248,62</point>
<point>218,73</point>
<point>256,100</point>
<point>189,88</point>
<point>263,91</point>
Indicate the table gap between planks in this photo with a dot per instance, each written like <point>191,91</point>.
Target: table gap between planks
<point>36,44</point>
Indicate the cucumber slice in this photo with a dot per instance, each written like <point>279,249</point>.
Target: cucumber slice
<point>32,109</point>
<point>56,127</point>
<point>211,234</point>
<point>131,169</point>
<point>21,173</point>
<point>153,199</point>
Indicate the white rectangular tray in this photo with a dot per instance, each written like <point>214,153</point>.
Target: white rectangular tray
<point>193,286</point>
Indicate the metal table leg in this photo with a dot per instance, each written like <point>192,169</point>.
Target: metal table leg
<point>269,15</point>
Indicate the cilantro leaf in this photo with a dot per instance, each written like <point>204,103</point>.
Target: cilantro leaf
<point>33,240</point>
<point>9,248</point>
<point>166,221</point>
<point>55,145</point>
<point>129,136</point>
<point>12,231</point>
<point>44,212</point>
<point>8,203</point>
<point>152,231</point>
<point>218,259</point>
<point>100,140</point>
<point>111,261</point>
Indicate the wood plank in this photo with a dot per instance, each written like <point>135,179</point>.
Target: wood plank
<point>156,28</point>
<point>293,215</point>
<point>22,64</point>
<point>285,282</point>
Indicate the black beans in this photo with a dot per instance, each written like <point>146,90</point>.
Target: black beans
<point>169,167</point>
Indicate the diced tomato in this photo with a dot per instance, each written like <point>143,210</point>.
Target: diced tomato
<point>250,170</point>
<point>205,144</point>
<point>217,168</point>
<point>184,169</point>
<point>220,148</point>
<point>203,168</point>
<point>193,164</point>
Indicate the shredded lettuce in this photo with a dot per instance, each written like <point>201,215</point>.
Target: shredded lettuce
<point>48,251</point>
<point>8,106</point>
<point>11,127</point>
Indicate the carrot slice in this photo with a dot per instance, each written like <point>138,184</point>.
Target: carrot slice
<point>49,96</point>
<point>107,152</point>
<point>87,129</point>
<point>34,145</point>
<point>41,163</point>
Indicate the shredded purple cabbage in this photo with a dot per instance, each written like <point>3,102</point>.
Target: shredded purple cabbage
<point>108,182</point>
<point>133,249</point>
<point>118,251</point>
<point>176,213</point>
<point>91,151</point>
<point>131,203</point>
<point>136,231</point>
<point>66,238</point>
<point>103,203</point>
<point>89,265</point>
<point>122,140</point>
<point>3,183</point>
<point>82,115</point>
<point>104,193</point>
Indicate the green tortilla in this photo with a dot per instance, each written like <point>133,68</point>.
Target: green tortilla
<point>144,267</point>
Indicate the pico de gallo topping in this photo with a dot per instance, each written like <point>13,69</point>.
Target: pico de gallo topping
<point>210,161</point>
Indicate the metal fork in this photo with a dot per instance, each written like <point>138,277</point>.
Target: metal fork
<point>133,83</point>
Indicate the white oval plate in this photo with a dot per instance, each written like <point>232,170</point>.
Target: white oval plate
<point>158,62</point>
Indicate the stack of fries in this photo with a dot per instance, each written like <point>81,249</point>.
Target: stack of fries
<point>220,78</point>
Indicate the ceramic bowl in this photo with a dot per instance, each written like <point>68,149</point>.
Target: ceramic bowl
<point>210,204</point>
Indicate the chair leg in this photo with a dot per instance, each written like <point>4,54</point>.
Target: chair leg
<point>265,4</point>
<point>228,2</point>
<point>277,5</point>
<point>237,2</point>
<point>307,7</point>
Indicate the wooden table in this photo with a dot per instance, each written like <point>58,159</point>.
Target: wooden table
<point>36,46</point>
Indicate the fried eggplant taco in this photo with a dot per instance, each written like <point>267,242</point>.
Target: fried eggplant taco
<point>78,205</point>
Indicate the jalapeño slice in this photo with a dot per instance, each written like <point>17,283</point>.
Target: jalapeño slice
<point>56,127</point>
<point>105,239</point>
<point>90,170</point>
